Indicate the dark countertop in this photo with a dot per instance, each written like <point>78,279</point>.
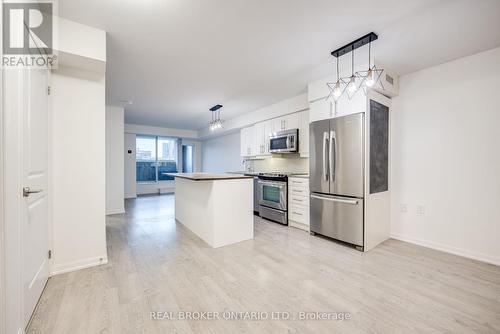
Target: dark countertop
<point>208,176</point>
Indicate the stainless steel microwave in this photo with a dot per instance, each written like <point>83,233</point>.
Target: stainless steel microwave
<point>284,141</point>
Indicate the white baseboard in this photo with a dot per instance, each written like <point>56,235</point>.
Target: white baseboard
<point>491,259</point>
<point>129,196</point>
<point>78,265</point>
<point>115,211</point>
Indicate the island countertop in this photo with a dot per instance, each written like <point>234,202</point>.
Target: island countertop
<point>209,176</point>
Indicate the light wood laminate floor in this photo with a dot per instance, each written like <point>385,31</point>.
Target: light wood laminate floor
<point>158,265</point>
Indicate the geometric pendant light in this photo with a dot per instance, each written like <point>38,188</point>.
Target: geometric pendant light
<point>359,79</point>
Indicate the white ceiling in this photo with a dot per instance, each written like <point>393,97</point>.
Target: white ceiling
<point>176,58</point>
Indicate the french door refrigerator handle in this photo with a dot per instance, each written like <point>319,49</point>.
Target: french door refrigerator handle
<point>325,167</point>
<point>338,200</point>
<point>333,155</point>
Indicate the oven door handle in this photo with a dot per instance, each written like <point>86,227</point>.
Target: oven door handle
<point>271,183</point>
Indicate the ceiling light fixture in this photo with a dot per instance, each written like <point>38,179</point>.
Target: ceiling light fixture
<point>336,88</point>
<point>370,77</point>
<point>352,83</point>
<point>215,121</point>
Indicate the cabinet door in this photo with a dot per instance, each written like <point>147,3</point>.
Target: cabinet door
<point>287,122</point>
<point>247,142</point>
<point>291,121</point>
<point>320,109</point>
<point>259,138</point>
<point>251,141</point>
<point>346,107</point>
<point>304,133</point>
<point>268,129</point>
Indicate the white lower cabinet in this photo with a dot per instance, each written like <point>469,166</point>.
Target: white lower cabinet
<point>298,202</point>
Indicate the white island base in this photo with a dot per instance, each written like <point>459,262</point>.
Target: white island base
<point>219,209</point>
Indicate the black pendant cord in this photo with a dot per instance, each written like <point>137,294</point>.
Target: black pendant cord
<point>338,74</point>
<point>369,55</point>
<point>352,63</point>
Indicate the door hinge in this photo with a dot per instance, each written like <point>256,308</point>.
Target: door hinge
<point>50,254</point>
<point>48,90</point>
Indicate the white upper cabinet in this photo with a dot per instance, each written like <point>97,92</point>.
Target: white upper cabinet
<point>304,133</point>
<point>247,142</point>
<point>262,131</point>
<point>344,106</point>
<point>287,122</point>
<point>320,109</point>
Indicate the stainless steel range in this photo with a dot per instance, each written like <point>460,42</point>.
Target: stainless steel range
<point>273,197</point>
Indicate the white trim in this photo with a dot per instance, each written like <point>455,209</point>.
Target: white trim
<point>495,260</point>
<point>130,196</point>
<point>78,265</point>
<point>3,313</point>
<point>115,211</point>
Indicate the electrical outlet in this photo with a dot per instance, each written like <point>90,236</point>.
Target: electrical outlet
<point>420,210</point>
<point>403,208</point>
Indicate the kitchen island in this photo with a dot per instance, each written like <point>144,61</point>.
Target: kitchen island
<point>218,208</point>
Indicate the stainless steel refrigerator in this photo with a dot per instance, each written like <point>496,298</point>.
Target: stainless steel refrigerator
<point>337,153</point>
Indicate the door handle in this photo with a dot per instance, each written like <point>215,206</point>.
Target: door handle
<point>325,140</point>
<point>27,191</point>
<point>338,200</point>
<point>333,155</point>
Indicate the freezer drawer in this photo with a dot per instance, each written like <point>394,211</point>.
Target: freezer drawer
<point>337,217</point>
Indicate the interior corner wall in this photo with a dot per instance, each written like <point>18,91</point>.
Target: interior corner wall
<point>130,168</point>
<point>445,157</point>
<point>78,170</point>
<point>115,192</point>
<point>222,154</point>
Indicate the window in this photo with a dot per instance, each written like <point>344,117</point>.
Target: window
<point>155,156</point>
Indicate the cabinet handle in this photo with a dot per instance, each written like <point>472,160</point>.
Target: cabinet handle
<point>297,213</point>
<point>297,191</point>
<point>298,200</point>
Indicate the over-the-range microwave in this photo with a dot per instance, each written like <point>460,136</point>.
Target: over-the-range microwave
<point>284,141</point>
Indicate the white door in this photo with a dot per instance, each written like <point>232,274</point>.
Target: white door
<point>34,229</point>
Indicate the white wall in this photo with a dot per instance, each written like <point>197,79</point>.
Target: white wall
<point>114,160</point>
<point>445,157</point>
<point>78,169</point>
<point>130,176</point>
<point>222,154</point>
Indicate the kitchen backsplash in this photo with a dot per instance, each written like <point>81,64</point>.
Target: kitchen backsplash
<point>278,164</point>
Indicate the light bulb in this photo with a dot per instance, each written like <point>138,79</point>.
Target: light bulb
<point>370,80</point>
<point>352,85</point>
<point>337,91</point>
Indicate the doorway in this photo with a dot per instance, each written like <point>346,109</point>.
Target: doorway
<point>187,158</point>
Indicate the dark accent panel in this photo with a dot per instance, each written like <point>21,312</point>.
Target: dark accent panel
<point>379,147</point>
<point>368,38</point>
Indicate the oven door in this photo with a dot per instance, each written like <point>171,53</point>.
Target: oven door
<point>273,194</point>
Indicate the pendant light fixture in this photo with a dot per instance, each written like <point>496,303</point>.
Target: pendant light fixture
<point>336,88</point>
<point>370,77</point>
<point>215,121</point>
<point>352,87</point>
<point>352,83</point>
